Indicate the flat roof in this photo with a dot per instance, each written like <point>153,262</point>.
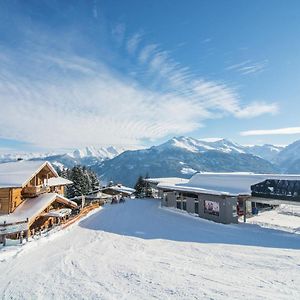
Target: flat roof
<point>232,184</point>
<point>173,180</point>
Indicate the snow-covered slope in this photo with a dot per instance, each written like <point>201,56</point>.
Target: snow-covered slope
<point>289,158</point>
<point>139,251</point>
<point>267,151</point>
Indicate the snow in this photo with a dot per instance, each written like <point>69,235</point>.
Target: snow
<point>191,144</point>
<point>138,251</point>
<point>187,170</point>
<point>55,181</point>
<point>30,208</point>
<point>7,157</point>
<point>17,174</point>
<point>236,183</point>
<point>120,188</point>
<point>285,217</point>
<point>59,165</point>
<point>171,180</point>
<point>102,153</point>
<point>60,213</point>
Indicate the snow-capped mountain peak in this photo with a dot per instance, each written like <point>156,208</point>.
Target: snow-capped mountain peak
<point>199,146</point>
<point>101,153</point>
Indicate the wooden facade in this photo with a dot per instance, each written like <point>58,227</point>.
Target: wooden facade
<point>12,197</point>
<point>34,189</point>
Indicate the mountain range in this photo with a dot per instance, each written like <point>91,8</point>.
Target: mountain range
<point>179,156</point>
<point>86,156</point>
<point>183,156</point>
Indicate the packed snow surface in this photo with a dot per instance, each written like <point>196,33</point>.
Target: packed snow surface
<point>137,250</point>
<point>285,217</point>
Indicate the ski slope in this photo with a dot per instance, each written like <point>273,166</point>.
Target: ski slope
<point>137,250</point>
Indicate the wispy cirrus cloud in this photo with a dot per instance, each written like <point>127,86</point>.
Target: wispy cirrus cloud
<point>278,131</point>
<point>256,109</point>
<point>146,52</point>
<point>213,95</point>
<point>118,32</point>
<point>67,101</point>
<point>133,42</point>
<point>91,109</point>
<point>249,67</point>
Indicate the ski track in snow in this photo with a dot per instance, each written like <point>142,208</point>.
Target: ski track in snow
<point>138,251</point>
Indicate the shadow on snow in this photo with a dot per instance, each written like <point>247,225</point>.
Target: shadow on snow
<point>144,219</point>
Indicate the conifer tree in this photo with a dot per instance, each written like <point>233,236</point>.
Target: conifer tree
<point>84,181</point>
<point>139,186</point>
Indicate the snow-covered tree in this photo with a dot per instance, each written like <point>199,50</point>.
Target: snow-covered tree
<point>84,181</point>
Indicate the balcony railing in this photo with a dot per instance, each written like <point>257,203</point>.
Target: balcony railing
<point>33,191</point>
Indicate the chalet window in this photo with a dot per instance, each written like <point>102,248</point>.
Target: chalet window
<point>196,208</point>
<point>178,204</point>
<point>184,205</point>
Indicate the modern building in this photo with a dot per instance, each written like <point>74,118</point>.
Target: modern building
<point>221,197</point>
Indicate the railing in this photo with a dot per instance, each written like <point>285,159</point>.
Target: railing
<point>32,191</point>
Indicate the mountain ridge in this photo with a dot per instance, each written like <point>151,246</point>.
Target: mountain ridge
<point>179,156</point>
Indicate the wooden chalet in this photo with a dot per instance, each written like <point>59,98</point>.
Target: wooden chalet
<point>31,197</point>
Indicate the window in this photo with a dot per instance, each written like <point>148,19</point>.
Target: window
<point>178,204</point>
<point>184,205</point>
<point>196,208</point>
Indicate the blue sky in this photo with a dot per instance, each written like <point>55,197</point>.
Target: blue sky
<point>76,73</point>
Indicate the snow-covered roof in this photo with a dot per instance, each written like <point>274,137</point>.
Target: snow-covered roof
<point>59,213</point>
<point>19,173</point>
<point>30,208</point>
<point>55,181</point>
<point>120,189</point>
<point>224,183</point>
<point>173,180</point>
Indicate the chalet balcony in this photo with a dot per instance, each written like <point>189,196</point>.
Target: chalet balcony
<point>33,191</point>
